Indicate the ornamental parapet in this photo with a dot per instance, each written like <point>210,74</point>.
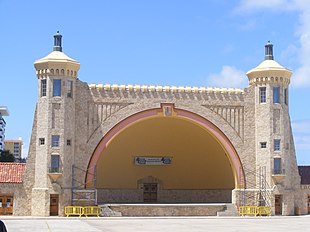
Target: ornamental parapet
<point>270,80</point>
<point>159,88</point>
<point>43,73</point>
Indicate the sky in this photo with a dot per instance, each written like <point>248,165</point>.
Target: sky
<point>210,43</point>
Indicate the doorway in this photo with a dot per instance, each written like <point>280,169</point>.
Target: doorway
<point>309,204</point>
<point>6,204</point>
<point>278,204</point>
<point>150,192</point>
<point>54,202</point>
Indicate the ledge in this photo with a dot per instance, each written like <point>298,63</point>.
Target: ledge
<point>54,176</point>
<point>278,177</point>
<point>159,88</point>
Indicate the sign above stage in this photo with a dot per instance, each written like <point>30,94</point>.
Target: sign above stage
<point>155,160</point>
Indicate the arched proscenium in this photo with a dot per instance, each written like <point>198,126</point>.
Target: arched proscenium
<point>195,118</point>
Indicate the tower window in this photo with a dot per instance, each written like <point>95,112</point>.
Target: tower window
<point>55,140</point>
<point>276,94</point>
<point>70,89</point>
<point>68,142</point>
<point>54,164</point>
<point>41,141</point>
<point>263,145</point>
<point>56,87</point>
<point>262,94</point>
<point>43,88</point>
<point>276,145</point>
<point>286,96</point>
<point>277,166</point>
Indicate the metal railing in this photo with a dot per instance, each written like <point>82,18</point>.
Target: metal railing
<point>278,172</point>
<point>255,210</point>
<point>55,170</point>
<point>80,192</point>
<point>82,210</point>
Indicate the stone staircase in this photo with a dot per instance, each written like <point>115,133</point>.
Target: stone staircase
<point>159,210</point>
<point>229,211</point>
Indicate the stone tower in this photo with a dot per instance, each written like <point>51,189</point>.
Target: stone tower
<point>55,117</point>
<point>275,152</point>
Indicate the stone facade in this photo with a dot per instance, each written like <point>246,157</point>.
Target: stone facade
<point>84,116</point>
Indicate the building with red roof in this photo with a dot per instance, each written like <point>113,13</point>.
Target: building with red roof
<point>11,179</point>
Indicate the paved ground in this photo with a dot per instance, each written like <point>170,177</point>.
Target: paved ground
<point>179,224</point>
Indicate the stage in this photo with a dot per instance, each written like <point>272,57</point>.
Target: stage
<point>151,210</point>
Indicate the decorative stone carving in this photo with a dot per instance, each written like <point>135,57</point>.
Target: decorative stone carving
<point>99,112</point>
<point>233,115</point>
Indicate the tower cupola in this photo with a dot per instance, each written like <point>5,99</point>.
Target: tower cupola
<point>57,63</point>
<point>269,51</point>
<point>269,71</point>
<point>57,42</point>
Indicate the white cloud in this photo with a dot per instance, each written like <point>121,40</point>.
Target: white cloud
<point>301,126</point>
<point>25,150</point>
<point>302,142</point>
<point>255,5</point>
<point>301,76</point>
<point>248,25</point>
<point>228,77</point>
<point>301,130</point>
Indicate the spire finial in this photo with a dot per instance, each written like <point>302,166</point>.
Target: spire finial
<point>57,42</point>
<point>269,51</point>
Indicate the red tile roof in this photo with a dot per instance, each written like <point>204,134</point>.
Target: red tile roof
<point>12,172</point>
<point>304,172</point>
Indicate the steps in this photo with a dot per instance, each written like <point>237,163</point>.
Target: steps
<point>155,210</point>
<point>230,211</point>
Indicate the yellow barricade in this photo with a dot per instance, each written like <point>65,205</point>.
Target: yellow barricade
<point>264,210</point>
<point>255,210</point>
<point>74,211</point>
<point>92,210</point>
<point>80,210</point>
<point>248,210</point>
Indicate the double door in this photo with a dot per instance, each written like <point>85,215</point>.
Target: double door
<point>150,193</point>
<point>309,204</point>
<point>6,204</point>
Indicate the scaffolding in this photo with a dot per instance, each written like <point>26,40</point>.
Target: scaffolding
<point>81,193</point>
<point>255,190</point>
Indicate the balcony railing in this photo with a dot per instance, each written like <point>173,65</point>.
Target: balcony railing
<point>54,173</point>
<point>55,170</point>
<point>280,172</point>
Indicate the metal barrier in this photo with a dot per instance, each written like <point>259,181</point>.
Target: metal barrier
<point>74,211</point>
<point>92,210</point>
<point>255,210</point>
<point>80,211</point>
<point>248,210</point>
<point>264,210</point>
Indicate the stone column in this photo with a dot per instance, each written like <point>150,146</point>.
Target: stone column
<point>40,202</point>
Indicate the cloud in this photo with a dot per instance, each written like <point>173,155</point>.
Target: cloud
<point>302,74</point>
<point>25,149</point>
<point>228,77</point>
<point>301,126</point>
<point>248,25</point>
<point>302,142</point>
<point>255,5</point>
<point>301,77</point>
<point>301,130</point>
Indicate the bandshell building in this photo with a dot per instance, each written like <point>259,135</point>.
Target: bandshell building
<point>146,144</point>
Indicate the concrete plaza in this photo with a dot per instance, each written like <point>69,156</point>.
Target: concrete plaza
<point>150,224</point>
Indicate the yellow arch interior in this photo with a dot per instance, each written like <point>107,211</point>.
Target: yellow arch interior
<point>198,160</point>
